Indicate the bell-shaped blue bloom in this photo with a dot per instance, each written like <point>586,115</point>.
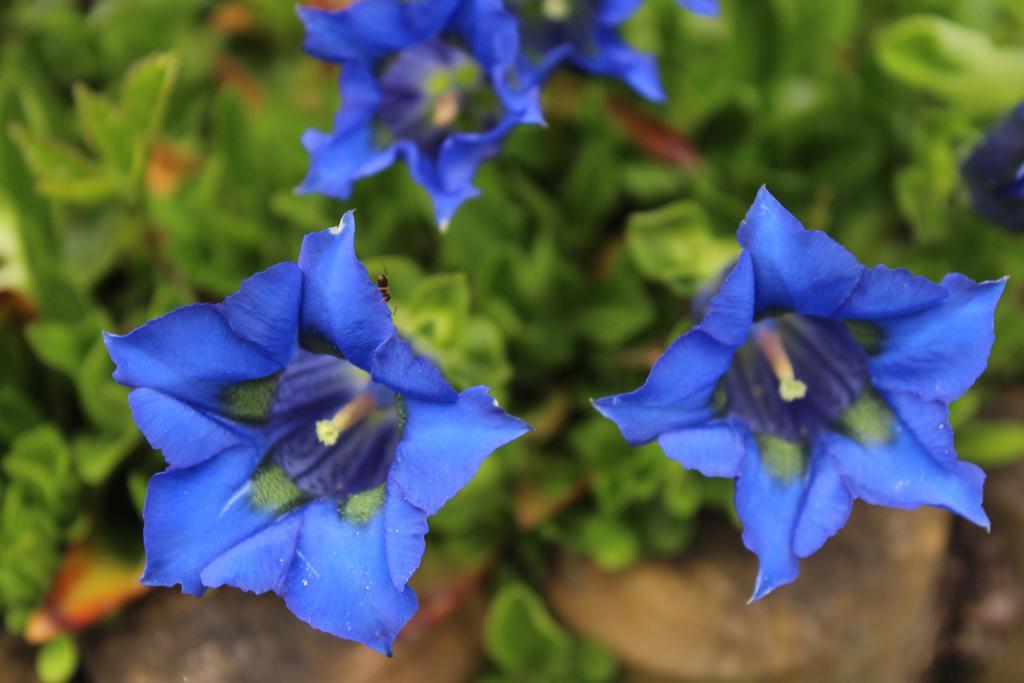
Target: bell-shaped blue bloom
<point>586,35</point>
<point>306,443</point>
<point>994,172</point>
<point>814,381</point>
<point>432,83</point>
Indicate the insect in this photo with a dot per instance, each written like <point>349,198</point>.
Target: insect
<point>383,286</point>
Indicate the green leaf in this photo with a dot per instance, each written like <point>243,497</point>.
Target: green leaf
<point>61,345</point>
<point>97,456</point>
<point>57,660</point>
<point>955,63</point>
<point>104,401</point>
<point>39,501</point>
<point>62,172</point>
<point>991,443</point>
<point>19,413</point>
<point>520,635</point>
<point>611,542</point>
<point>39,463</point>
<point>618,308</point>
<point>594,663</point>
<point>675,245</point>
<point>436,315</point>
<point>104,130</point>
<point>144,94</point>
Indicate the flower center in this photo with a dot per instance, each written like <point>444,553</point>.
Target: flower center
<point>432,89</point>
<point>546,24</point>
<point>796,377</point>
<point>330,430</point>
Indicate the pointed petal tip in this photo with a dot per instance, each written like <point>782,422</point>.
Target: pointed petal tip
<point>346,225</point>
<point>979,518</point>
<point>764,585</point>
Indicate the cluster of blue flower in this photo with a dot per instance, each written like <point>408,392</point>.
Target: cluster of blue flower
<point>449,79</point>
<point>308,443</point>
<point>994,172</point>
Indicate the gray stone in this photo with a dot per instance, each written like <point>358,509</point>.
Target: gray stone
<point>234,637</point>
<point>863,609</point>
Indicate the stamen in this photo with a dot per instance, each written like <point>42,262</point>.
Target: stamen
<point>790,388</point>
<point>361,406</point>
<point>556,10</point>
<point>446,111</point>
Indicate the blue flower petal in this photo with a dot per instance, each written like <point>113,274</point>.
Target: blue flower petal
<point>715,449</point>
<point>397,366</point>
<point>332,572</point>
<point>405,526</point>
<point>888,292</point>
<point>448,178</point>
<point>186,436</point>
<point>265,310</point>
<point>939,352</point>
<point>768,507</point>
<point>339,581</point>
<point>678,391</point>
<point>826,505</point>
<point>194,514</point>
<point>191,353</point>
<point>928,422</point>
<point>798,270</point>
<point>614,12</point>
<point>340,305</point>
<point>615,58</point>
<point>349,151</point>
<point>370,31</point>
<point>491,31</point>
<point>444,444</point>
<point>261,562</point>
<point>705,7</point>
<point>901,474</point>
<point>993,172</point>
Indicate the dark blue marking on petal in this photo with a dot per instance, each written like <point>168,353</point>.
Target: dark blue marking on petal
<point>822,355</point>
<point>317,388</point>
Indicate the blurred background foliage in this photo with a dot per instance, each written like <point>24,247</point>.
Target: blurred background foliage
<point>148,155</point>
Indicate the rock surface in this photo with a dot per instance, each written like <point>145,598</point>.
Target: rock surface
<point>17,662</point>
<point>864,609</point>
<point>986,639</point>
<point>233,637</point>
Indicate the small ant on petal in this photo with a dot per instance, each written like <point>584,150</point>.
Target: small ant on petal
<point>383,286</point>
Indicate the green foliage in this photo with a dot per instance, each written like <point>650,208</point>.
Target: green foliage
<point>57,660</point>
<point>527,644</point>
<point>40,497</point>
<point>676,245</point>
<point>149,157</point>
<point>952,62</point>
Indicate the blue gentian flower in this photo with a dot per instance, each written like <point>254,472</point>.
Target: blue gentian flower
<point>814,381</point>
<point>432,83</point>
<point>585,34</point>
<point>994,172</point>
<point>306,442</point>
